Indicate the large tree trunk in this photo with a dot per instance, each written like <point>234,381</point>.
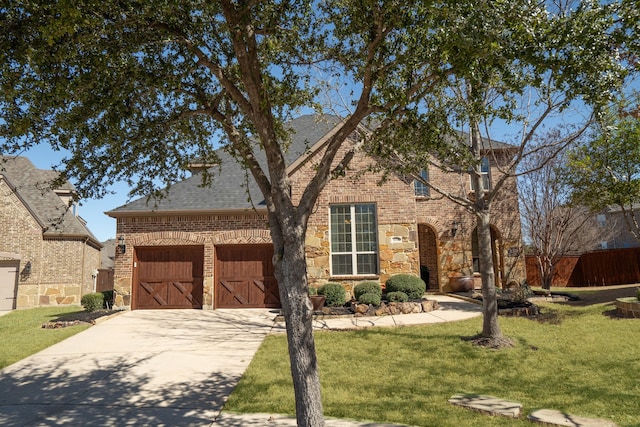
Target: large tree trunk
<point>290,271</point>
<point>490,327</point>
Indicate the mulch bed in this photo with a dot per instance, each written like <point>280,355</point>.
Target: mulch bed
<point>77,318</point>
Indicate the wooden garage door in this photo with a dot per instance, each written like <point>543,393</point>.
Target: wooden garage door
<point>244,277</point>
<point>169,277</point>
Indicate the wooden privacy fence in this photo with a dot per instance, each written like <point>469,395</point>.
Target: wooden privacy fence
<point>600,268</point>
<point>104,281</point>
<point>561,275</point>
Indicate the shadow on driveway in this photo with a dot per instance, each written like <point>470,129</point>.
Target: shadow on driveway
<point>160,368</point>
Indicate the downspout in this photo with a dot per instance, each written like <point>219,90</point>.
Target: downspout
<point>84,252</point>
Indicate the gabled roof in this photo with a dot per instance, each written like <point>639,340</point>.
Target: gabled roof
<point>229,181</point>
<point>32,186</point>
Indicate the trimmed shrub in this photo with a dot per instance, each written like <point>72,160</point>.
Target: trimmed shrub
<point>371,298</point>
<point>92,302</point>
<point>108,299</point>
<point>335,293</point>
<point>397,297</point>
<point>413,286</point>
<point>313,291</point>
<point>366,288</point>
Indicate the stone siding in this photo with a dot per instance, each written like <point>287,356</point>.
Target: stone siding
<point>395,212</point>
<point>455,257</point>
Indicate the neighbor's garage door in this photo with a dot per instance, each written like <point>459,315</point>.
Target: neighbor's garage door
<point>168,277</point>
<point>244,277</point>
<point>8,282</point>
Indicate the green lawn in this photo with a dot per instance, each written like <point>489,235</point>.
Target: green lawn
<point>580,361</point>
<point>21,332</point>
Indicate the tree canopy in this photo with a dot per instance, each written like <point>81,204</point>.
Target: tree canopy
<point>136,90</point>
<point>604,172</point>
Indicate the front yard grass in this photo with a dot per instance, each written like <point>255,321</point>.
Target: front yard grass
<point>21,332</point>
<point>580,360</point>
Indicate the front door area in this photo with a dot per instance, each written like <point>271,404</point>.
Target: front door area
<point>168,277</point>
<point>245,277</point>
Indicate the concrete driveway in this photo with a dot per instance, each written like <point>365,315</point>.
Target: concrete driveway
<point>142,368</point>
<point>164,368</point>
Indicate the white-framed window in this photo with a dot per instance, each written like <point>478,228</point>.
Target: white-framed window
<point>485,174</point>
<point>354,239</point>
<point>420,189</point>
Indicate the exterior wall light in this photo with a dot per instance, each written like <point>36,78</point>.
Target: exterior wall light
<point>455,226</point>
<point>27,269</point>
<point>121,245</point>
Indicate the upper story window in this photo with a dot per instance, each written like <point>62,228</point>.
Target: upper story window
<point>420,188</point>
<point>486,175</point>
<point>354,240</point>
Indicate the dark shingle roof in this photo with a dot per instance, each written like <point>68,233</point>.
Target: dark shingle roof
<point>229,183</point>
<point>32,186</point>
<point>228,189</point>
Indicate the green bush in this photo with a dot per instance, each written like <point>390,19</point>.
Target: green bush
<point>413,286</point>
<point>397,297</point>
<point>371,298</point>
<point>366,288</point>
<point>108,299</point>
<point>335,293</point>
<point>313,291</point>
<point>92,302</point>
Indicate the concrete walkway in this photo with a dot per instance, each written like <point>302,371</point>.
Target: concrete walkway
<point>161,368</point>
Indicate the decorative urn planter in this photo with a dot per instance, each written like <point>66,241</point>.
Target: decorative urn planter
<point>461,283</point>
<point>628,307</point>
<point>317,301</point>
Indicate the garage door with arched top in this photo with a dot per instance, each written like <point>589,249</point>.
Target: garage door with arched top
<point>168,277</point>
<point>245,277</point>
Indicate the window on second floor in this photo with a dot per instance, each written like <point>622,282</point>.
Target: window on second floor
<point>421,189</point>
<point>485,173</point>
<point>354,240</point>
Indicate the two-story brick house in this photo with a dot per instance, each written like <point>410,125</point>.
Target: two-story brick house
<point>47,254</point>
<point>210,247</point>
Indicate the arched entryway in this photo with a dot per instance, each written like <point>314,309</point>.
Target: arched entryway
<point>428,244</point>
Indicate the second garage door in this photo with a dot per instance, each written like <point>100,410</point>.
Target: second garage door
<point>244,277</point>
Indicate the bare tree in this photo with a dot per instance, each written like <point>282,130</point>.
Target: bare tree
<point>553,227</point>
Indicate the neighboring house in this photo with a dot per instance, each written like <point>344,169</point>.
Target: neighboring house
<point>210,247</point>
<point>47,254</point>
<point>617,234</point>
<point>108,255</point>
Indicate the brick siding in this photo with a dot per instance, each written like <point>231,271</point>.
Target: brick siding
<point>61,269</point>
<point>411,231</point>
